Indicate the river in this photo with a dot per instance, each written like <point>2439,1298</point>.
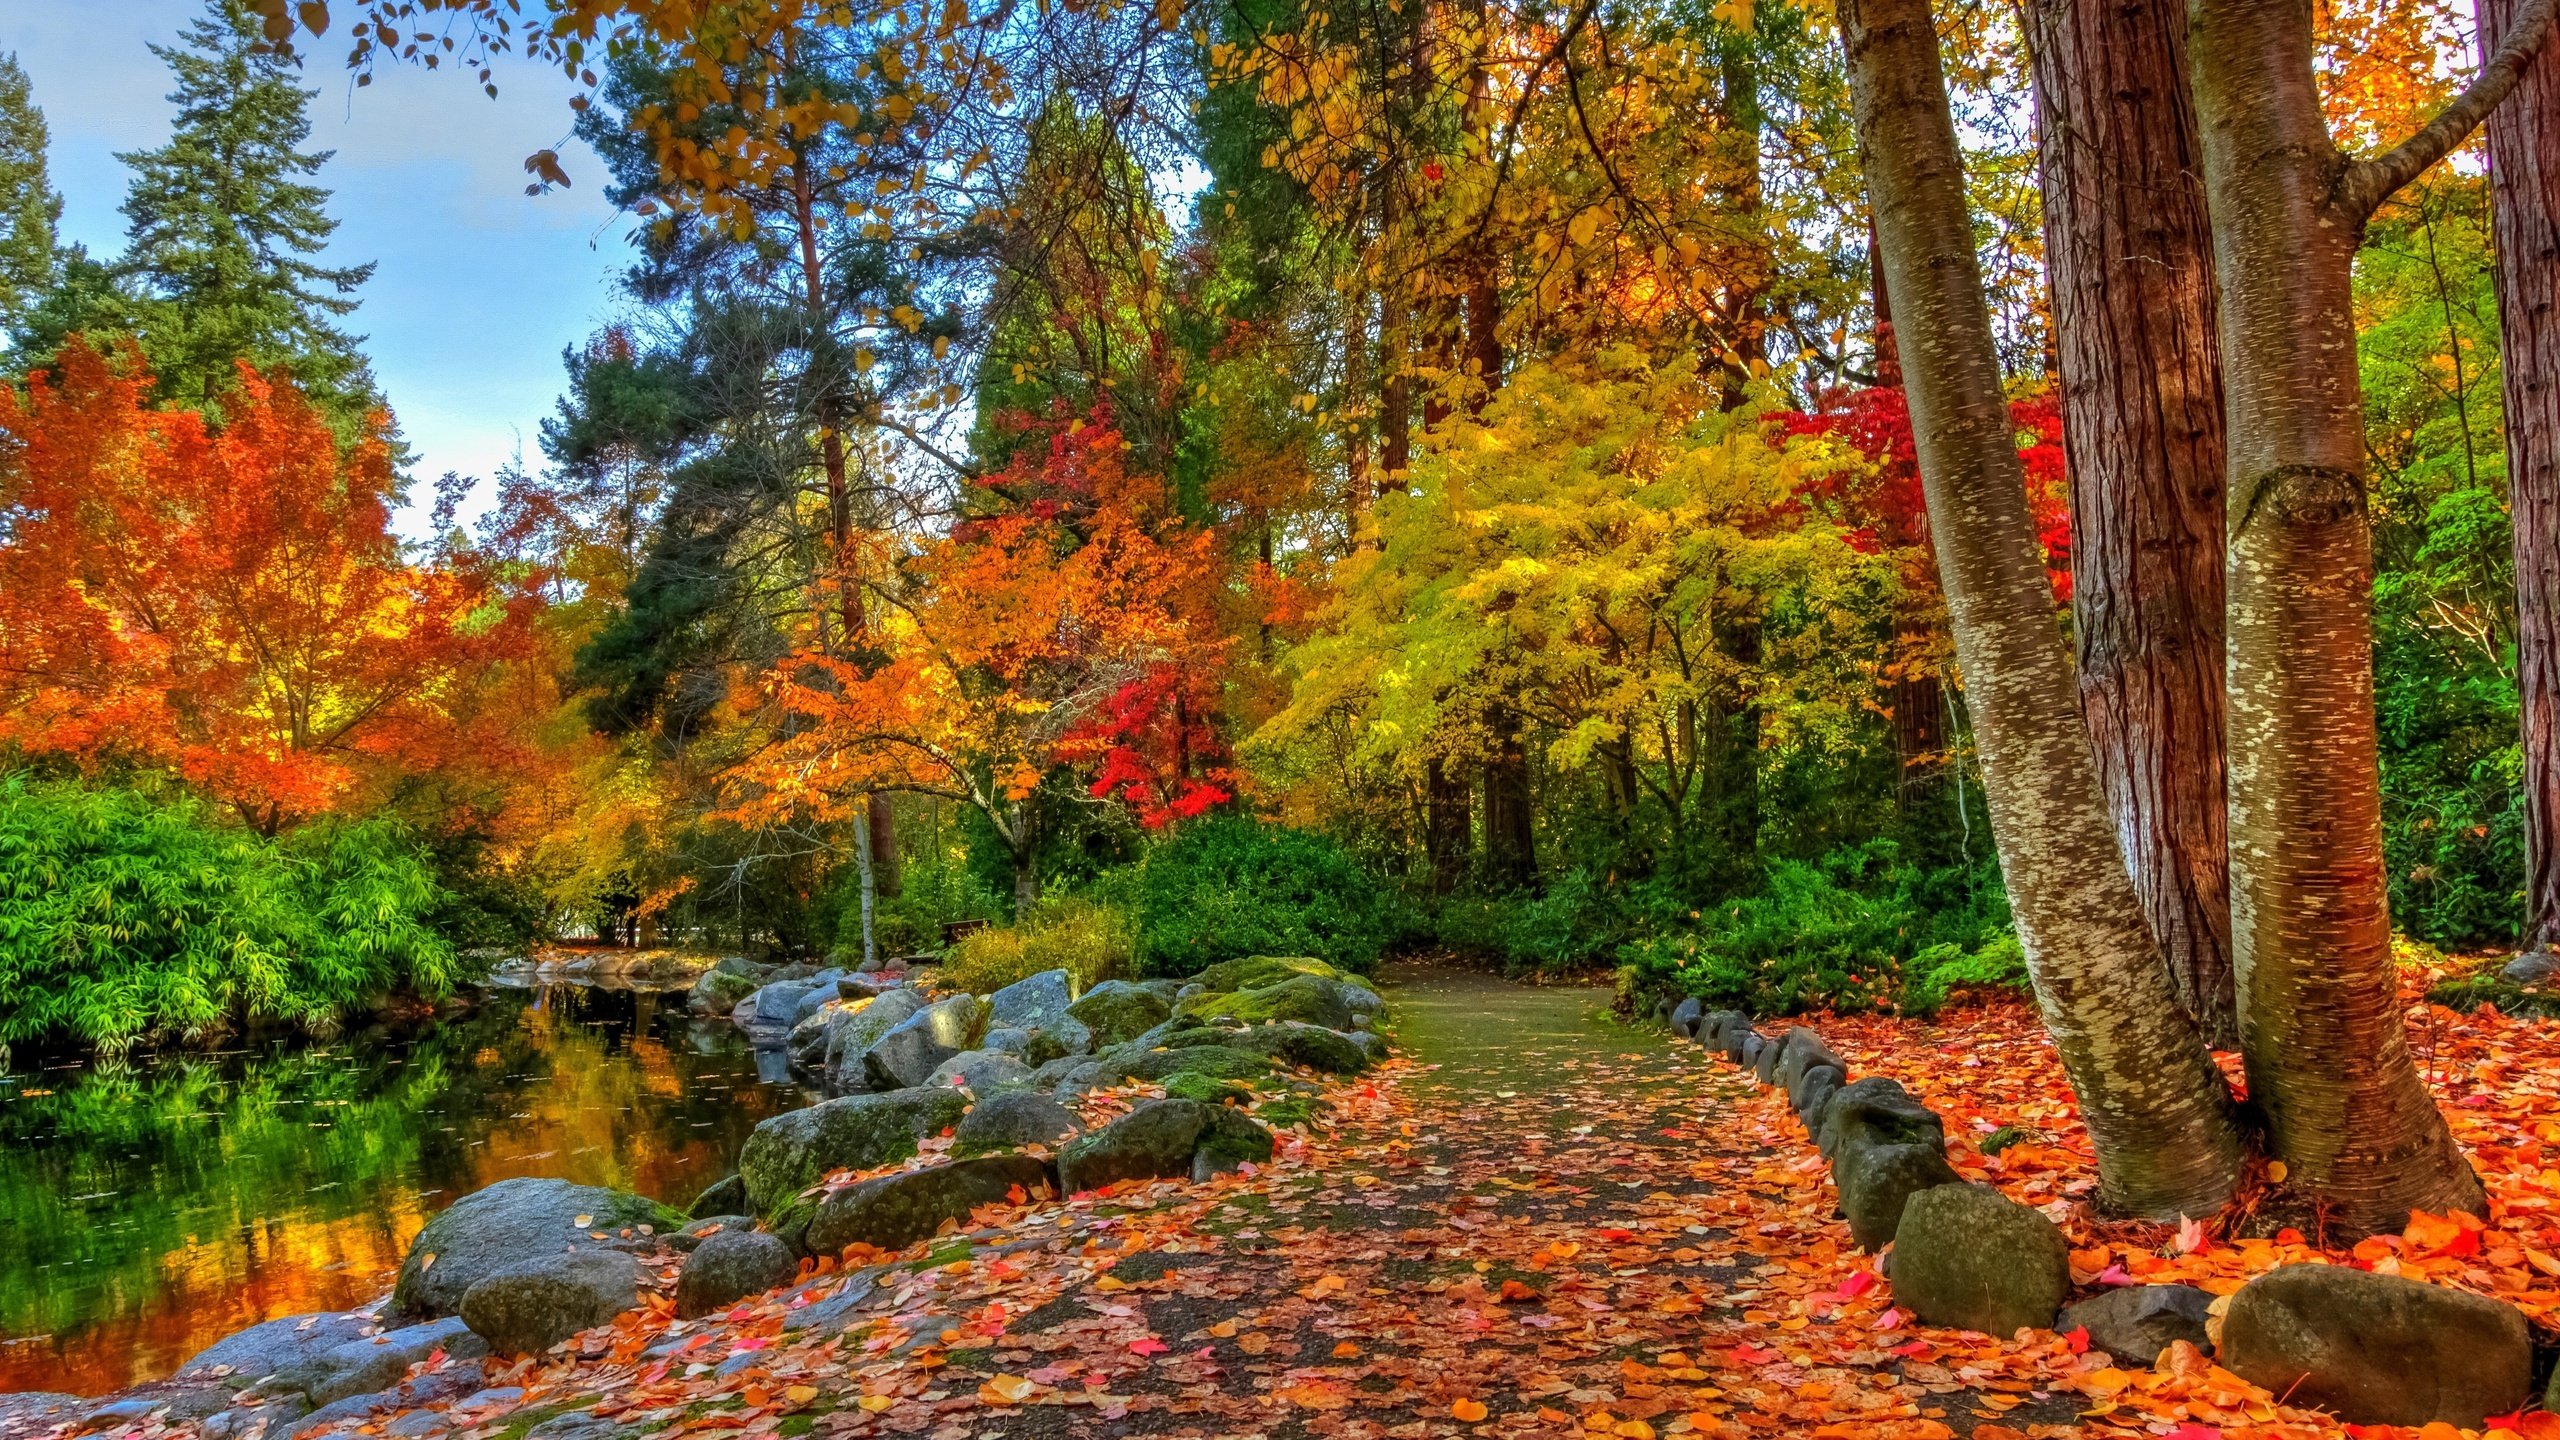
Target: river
<point>151,1207</point>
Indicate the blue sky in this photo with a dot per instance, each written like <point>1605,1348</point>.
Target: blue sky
<point>478,285</point>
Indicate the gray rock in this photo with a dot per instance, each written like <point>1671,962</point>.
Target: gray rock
<point>2134,1323</point>
<point>534,1304</point>
<point>907,1055</point>
<point>835,1314</point>
<point>1812,1092</point>
<point>1878,1109</point>
<point>861,1029</point>
<point>820,995</point>
<point>1219,1062</point>
<point>417,1424</point>
<point>1291,1043</point>
<point>1005,1040</point>
<point>270,1346</point>
<point>1053,1071</point>
<point>489,1229</point>
<point>720,1197</point>
<point>360,1367</point>
<point>2533,967</point>
<point>1117,1011</point>
<point>243,1422</point>
<point>690,1238</point>
<point>1012,1119</point>
<point>1764,1063</point>
<point>1729,1027</point>
<point>1160,1139</point>
<point>122,1412</point>
<point>1801,1050</point>
<point>730,1266</point>
<point>794,1150</point>
<point>1685,1016</point>
<point>1089,1075</point>
<point>357,1409</point>
<point>895,1211</point>
<point>1030,1003</point>
<point>1877,1183</point>
<point>579,1425</point>
<point>772,1008</point>
<point>1747,1049</point>
<point>981,1072</point>
<point>718,992</point>
<point>1970,1258</point>
<point>2377,1349</point>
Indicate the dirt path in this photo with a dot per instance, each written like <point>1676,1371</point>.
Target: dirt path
<point>1558,1220</point>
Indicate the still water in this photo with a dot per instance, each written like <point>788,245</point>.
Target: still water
<point>149,1209</point>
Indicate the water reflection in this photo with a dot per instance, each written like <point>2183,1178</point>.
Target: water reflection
<point>148,1209</point>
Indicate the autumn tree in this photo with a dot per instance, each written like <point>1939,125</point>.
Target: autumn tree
<point>272,646</point>
<point>2129,250</point>
<point>2524,149</point>
<point>2155,1107</point>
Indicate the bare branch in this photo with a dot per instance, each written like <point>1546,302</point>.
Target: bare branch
<point>2367,183</point>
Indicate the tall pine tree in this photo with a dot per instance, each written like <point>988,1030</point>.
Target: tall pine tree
<point>223,229</point>
<point>29,210</point>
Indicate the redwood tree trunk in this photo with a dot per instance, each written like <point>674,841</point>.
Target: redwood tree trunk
<point>1447,827</point>
<point>2155,1107</point>
<point>2130,255</point>
<point>883,825</point>
<point>2318,996</point>
<point>1510,851</point>
<point>2524,193</point>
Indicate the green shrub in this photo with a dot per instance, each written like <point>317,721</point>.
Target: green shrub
<point>1937,974</point>
<point>1091,942</point>
<point>123,915</point>
<point>1229,887</point>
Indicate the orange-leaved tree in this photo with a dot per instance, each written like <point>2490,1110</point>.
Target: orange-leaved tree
<point>226,605</point>
<point>1071,628</point>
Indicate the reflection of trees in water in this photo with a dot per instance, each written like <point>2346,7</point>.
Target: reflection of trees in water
<point>154,1206</point>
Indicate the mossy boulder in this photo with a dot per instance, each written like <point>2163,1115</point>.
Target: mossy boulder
<point>793,1151</point>
<point>1308,999</point>
<point>1253,972</point>
<point>1192,1085</point>
<point>1219,1062</point>
<point>894,1211</point>
<point>1011,1119</point>
<point>1163,1139</point>
<point>1117,1011</point>
<point>1313,1046</point>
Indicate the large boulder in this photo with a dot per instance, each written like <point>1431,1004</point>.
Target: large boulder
<point>1011,1119</point>
<point>863,1024</point>
<point>1970,1258</point>
<point>1312,999</point>
<point>271,1346</point>
<point>1330,1051</point>
<point>1162,1139</point>
<point>360,1367</point>
<point>1032,1003</point>
<point>908,1054</point>
<point>773,1009</point>
<point>529,1306</point>
<point>730,1266</point>
<point>491,1228</point>
<point>2378,1349</point>
<point>1117,1011</point>
<point>1253,972</point>
<point>2134,1323</point>
<point>981,1072</point>
<point>794,1150</point>
<point>1224,1062</point>
<point>895,1211</point>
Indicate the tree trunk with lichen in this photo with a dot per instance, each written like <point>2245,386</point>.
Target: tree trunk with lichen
<point>2130,255</point>
<point>2318,996</point>
<point>2156,1109</point>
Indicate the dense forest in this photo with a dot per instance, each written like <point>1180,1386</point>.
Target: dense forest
<point>1190,482</point>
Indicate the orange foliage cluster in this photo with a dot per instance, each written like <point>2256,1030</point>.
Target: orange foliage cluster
<point>229,606</point>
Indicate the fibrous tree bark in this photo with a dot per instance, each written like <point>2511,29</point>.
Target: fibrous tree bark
<point>2154,1105</point>
<point>2318,997</point>
<point>2130,256</point>
<point>2524,193</point>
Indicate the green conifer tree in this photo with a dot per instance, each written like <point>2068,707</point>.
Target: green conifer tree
<point>29,210</point>
<point>223,229</point>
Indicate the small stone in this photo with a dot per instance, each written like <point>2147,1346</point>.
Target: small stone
<point>1970,1258</point>
<point>721,1197</point>
<point>2134,1323</point>
<point>2378,1349</point>
<point>1685,1017</point>
<point>730,1266</point>
<point>2533,967</point>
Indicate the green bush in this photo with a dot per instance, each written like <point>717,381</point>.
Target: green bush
<point>123,915</point>
<point>1091,942</point>
<point>1845,934</point>
<point>1231,886</point>
<point>1937,974</point>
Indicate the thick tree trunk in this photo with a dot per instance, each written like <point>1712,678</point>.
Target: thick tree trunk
<point>2155,1107</point>
<point>2319,1003</point>
<point>2524,191</point>
<point>2130,254</point>
<point>1510,849</point>
<point>883,824</point>
<point>1447,827</point>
